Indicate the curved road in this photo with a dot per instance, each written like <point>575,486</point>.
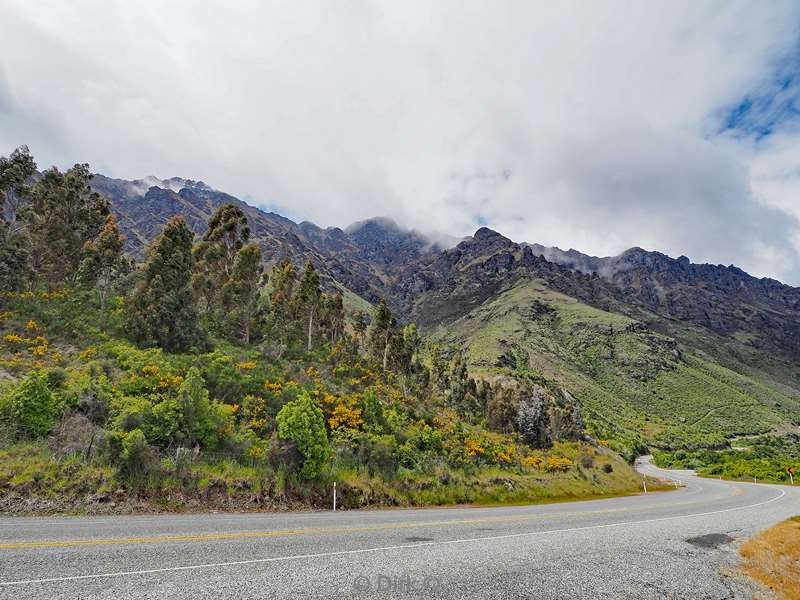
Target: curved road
<point>679,544</point>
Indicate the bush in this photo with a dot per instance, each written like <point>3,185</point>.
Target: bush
<point>301,421</point>
<point>76,435</point>
<point>32,409</point>
<point>56,377</point>
<point>608,468</point>
<point>378,452</point>
<point>137,460</point>
<point>188,420</point>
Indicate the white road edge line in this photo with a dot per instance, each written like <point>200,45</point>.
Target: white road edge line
<point>379,549</point>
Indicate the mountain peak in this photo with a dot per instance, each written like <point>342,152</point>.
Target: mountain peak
<point>374,223</point>
<point>486,234</point>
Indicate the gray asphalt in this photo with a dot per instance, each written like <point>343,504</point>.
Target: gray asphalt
<point>679,544</point>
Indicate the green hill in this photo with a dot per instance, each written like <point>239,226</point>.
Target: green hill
<point>636,386</point>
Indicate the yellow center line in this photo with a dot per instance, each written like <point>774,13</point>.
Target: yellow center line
<point>316,530</point>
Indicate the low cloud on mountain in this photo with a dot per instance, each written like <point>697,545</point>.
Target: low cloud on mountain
<point>598,126</point>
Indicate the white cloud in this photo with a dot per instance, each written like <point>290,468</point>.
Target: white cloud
<point>589,125</point>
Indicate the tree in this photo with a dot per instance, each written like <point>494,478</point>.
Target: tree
<point>307,300</point>
<point>439,367</point>
<point>360,325</point>
<point>14,257</point>
<point>64,213</point>
<point>15,172</point>
<point>381,332</point>
<point>302,422</point>
<point>103,261</point>
<point>240,293</point>
<point>463,392</point>
<point>162,310</point>
<point>283,281</point>
<point>404,350</point>
<point>215,254</point>
<point>332,318</point>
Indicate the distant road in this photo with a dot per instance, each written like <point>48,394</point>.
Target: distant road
<point>660,545</point>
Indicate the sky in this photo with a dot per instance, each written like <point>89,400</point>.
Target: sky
<point>673,126</point>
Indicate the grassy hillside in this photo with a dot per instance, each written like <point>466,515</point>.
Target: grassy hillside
<point>636,386</point>
<point>75,394</point>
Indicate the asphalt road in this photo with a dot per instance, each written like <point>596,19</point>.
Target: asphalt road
<point>679,544</point>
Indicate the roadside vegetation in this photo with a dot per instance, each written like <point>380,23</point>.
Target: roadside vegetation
<point>196,380</point>
<point>773,559</point>
<point>768,458</point>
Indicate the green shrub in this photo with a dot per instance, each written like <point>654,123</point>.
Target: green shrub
<point>137,459</point>
<point>189,419</point>
<point>56,377</point>
<point>301,421</point>
<point>31,409</point>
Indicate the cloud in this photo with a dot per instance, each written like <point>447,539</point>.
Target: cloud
<point>598,126</point>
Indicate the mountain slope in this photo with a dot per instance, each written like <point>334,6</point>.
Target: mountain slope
<point>144,206</point>
<point>658,350</point>
<point>762,313</point>
<point>643,374</point>
<point>634,384</point>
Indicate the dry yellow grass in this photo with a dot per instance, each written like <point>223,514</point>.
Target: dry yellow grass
<point>773,559</point>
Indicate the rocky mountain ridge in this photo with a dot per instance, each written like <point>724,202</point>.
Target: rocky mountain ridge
<point>430,284</point>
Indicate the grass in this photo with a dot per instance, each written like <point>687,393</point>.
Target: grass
<point>773,559</point>
<point>34,481</point>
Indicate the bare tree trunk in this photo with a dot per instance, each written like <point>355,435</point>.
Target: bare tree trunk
<point>310,324</point>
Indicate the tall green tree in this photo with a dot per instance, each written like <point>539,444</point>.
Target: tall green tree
<point>360,325</point>
<point>14,257</point>
<point>103,262</point>
<point>63,214</point>
<point>240,293</point>
<point>405,350</point>
<point>15,173</point>
<point>440,374</point>
<point>215,254</point>
<point>332,316</point>
<point>162,311</point>
<point>462,393</point>
<point>381,332</point>
<point>307,301</point>
<point>282,285</point>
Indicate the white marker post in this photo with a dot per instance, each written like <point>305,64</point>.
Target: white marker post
<point>791,479</point>
<point>334,496</point>
<point>644,483</point>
